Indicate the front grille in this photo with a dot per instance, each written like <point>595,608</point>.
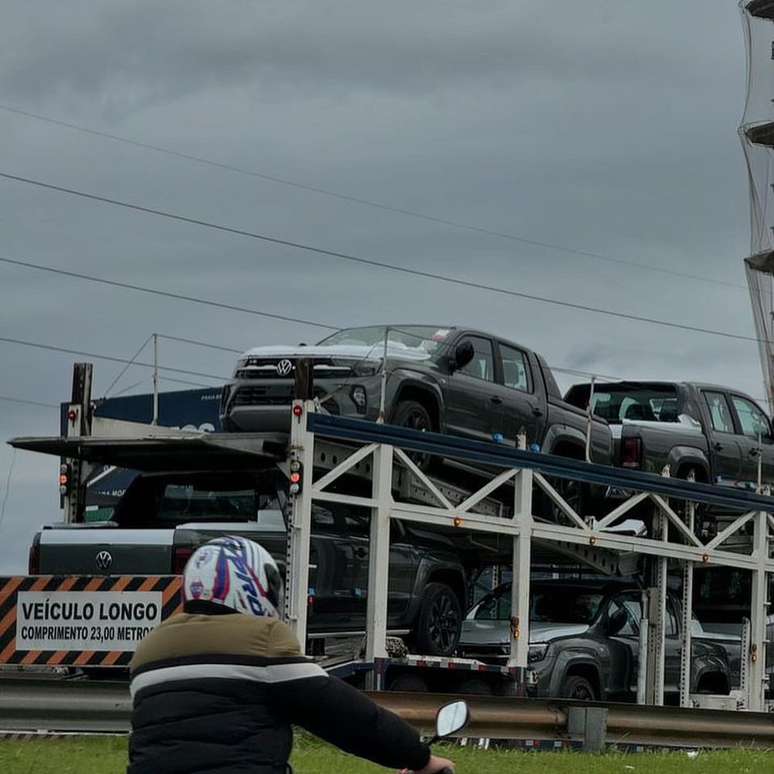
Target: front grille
<point>262,396</point>
<point>276,395</point>
<point>266,368</point>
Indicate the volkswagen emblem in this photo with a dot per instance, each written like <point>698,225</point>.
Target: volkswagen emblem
<point>284,367</point>
<point>104,560</point>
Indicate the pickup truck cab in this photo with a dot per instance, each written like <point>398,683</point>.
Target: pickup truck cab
<point>584,641</point>
<point>717,433</point>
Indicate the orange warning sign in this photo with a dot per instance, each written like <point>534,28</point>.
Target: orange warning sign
<point>81,620</point>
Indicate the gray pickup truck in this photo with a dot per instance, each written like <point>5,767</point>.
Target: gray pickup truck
<point>442,378</point>
<point>164,516</point>
<point>584,642</point>
<point>717,433</point>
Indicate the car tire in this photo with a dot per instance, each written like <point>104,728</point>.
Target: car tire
<point>439,621</point>
<point>414,416</point>
<point>578,688</point>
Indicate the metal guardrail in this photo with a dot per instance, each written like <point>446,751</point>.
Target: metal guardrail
<point>57,705</point>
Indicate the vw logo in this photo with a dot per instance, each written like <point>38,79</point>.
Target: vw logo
<point>104,560</point>
<point>284,367</point>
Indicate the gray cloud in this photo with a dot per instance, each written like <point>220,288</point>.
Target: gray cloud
<point>608,126</point>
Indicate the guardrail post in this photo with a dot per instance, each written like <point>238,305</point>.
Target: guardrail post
<point>299,526</point>
<point>379,561</point>
<point>756,656</point>
<point>590,724</point>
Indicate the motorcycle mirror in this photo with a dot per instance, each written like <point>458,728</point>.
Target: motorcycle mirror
<point>463,354</point>
<point>451,718</point>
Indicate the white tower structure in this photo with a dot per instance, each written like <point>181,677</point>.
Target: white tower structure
<point>757,135</point>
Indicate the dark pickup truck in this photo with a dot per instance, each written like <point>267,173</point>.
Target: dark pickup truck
<point>716,433</point>
<point>442,378</point>
<point>584,642</point>
<point>163,517</point>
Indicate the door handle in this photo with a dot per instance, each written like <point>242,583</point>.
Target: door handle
<point>717,446</point>
<point>754,452</point>
<point>537,412</point>
<point>496,399</point>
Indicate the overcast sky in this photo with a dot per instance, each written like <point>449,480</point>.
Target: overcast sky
<point>601,126</point>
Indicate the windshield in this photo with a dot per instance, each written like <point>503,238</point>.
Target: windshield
<point>643,404</point>
<point>425,338</point>
<point>168,501</point>
<point>550,605</point>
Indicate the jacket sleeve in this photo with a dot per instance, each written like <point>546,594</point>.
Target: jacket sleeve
<point>329,708</point>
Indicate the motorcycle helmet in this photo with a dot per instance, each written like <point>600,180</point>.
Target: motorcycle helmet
<point>236,573</point>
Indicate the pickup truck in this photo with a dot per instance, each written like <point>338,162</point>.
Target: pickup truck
<point>164,516</point>
<point>439,378</point>
<point>717,433</point>
<point>584,642</point>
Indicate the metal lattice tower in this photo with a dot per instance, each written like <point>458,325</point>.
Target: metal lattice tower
<point>757,135</point>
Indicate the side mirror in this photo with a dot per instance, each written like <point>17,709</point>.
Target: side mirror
<point>616,622</point>
<point>450,719</point>
<point>463,354</point>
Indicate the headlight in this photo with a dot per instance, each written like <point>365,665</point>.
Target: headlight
<point>241,363</point>
<point>359,398</point>
<point>364,368</point>
<point>537,652</point>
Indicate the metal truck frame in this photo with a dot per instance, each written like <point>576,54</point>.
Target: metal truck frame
<point>676,539</point>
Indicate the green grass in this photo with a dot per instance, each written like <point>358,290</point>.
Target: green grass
<point>94,755</point>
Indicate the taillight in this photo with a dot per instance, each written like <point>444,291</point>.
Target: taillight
<point>631,453</point>
<point>33,563</point>
<point>180,557</point>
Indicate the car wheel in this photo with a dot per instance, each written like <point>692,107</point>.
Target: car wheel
<point>439,623</point>
<point>414,416</point>
<point>578,688</point>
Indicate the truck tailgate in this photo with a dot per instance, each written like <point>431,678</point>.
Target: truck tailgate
<point>106,551</point>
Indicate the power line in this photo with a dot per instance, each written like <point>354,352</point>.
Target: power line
<point>9,399</point>
<point>381,264</point>
<point>163,293</point>
<point>128,365</point>
<point>110,358</point>
<point>370,202</point>
<point>198,343</point>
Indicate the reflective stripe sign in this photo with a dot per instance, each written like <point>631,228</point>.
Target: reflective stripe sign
<point>81,620</point>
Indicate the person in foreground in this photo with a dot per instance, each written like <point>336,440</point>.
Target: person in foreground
<point>217,687</point>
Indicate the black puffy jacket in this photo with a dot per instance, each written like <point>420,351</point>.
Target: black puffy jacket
<point>218,693</point>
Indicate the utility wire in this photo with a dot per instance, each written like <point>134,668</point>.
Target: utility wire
<point>163,293</point>
<point>369,202</point>
<point>128,365</point>
<point>110,358</point>
<point>7,486</point>
<point>198,343</point>
<point>382,264</point>
<point>9,399</point>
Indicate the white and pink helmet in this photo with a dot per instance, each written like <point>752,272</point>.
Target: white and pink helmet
<point>234,572</point>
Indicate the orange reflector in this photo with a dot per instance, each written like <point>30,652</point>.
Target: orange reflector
<point>458,522</point>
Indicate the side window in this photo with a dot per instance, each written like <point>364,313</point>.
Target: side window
<point>495,606</point>
<point>718,408</point>
<point>633,613</point>
<point>482,365</point>
<point>752,419</point>
<point>516,372</point>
